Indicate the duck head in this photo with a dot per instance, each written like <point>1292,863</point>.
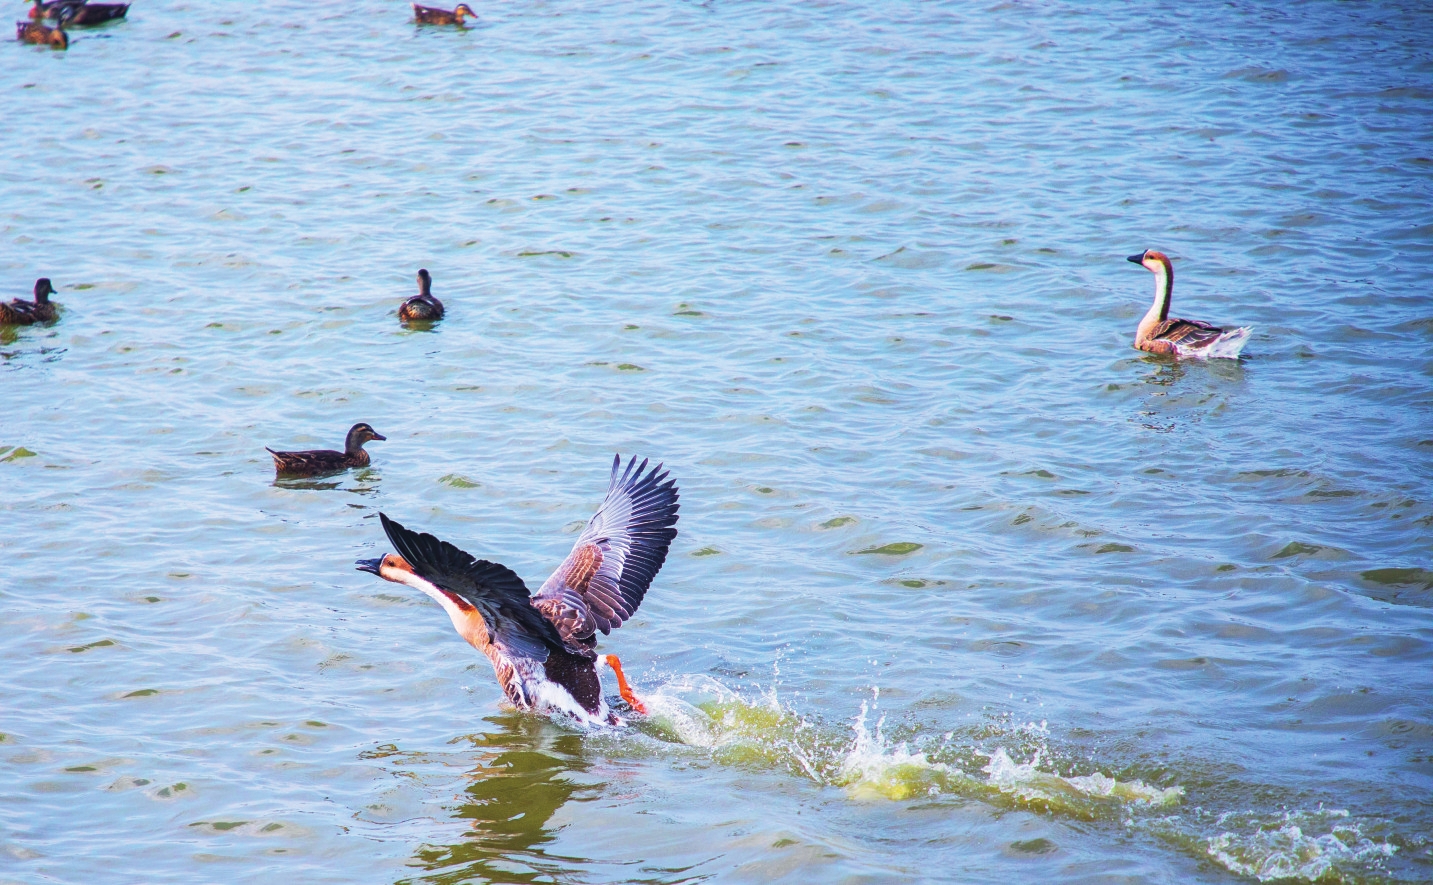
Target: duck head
<point>389,567</point>
<point>425,282</point>
<point>1153,260</point>
<point>43,290</point>
<point>359,434</point>
<point>463,10</point>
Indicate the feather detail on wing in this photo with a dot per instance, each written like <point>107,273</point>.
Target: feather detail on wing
<point>604,578</point>
<point>1186,334</point>
<point>494,590</point>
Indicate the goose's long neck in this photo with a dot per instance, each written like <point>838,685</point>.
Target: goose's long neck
<point>1163,290</point>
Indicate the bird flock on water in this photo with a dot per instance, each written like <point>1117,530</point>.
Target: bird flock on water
<point>543,645</point>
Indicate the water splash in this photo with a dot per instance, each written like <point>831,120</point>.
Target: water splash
<point>701,713</point>
<point>1304,846</point>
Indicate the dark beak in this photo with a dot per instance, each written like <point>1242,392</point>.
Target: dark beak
<point>370,565</point>
<point>379,436</point>
<point>1137,259</point>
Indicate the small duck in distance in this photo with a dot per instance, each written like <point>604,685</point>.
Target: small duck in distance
<point>320,461</point>
<point>543,647</point>
<point>1157,333</point>
<point>27,313</point>
<point>423,306</point>
<point>41,35</point>
<point>431,15</point>
<point>78,12</point>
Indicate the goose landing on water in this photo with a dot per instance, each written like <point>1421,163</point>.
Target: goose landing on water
<point>544,647</point>
<point>1157,333</point>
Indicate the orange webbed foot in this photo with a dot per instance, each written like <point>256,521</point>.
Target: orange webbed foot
<point>623,687</point>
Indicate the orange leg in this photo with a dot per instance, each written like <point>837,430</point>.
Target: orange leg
<point>622,685</point>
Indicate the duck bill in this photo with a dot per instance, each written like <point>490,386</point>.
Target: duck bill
<point>1136,259</point>
<point>378,436</point>
<point>370,565</point>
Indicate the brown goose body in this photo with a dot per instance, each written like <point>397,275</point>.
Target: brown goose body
<point>320,461</point>
<point>423,307</point>
<point>543,646</point>
<point>27,313</point>
<point>41,35</point>
<point>431,15</point>
<point>1159,333</point>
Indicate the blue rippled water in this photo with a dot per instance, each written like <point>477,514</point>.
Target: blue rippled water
<point>966,589</point>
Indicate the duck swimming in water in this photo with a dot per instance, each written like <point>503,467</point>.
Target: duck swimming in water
<point>1157,333</point>
<point>423,306</point>
<point>27,313</point>
<point>431,15</point>
<point>78,12</point>
<point>320,461</point>
<point>543,647</point>
<point>41,35</point>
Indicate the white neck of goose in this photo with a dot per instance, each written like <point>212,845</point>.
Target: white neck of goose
<point>466,620</point>
<point>1163,290</point>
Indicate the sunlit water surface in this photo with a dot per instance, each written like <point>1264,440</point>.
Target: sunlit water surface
<point>966,588</point>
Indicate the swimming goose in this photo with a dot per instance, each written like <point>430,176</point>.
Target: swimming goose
<point>26,313</point>
<point>1157,333</point>
<point>317,461</point>
<point>431,15</point>
<point>40,35</point>
<point>543,647</point>
<point>422,306</point>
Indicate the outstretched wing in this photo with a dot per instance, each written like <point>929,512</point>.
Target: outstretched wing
<point>494,590</point>
<point>604,578</point>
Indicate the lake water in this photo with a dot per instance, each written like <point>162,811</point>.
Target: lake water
<point>966,588</point>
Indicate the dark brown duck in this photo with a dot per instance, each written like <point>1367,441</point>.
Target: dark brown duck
<point>320,461</point>
<point>543,647</point>
<point>431,15</point>
<point>423,306</point>
<point>41,35</point>
<point>78,12</point>
<point>27,313</point>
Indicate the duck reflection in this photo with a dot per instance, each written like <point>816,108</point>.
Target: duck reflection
<point>525,773</point>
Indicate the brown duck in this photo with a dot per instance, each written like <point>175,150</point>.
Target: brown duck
<point>78,12</point>
<point>543,647</point>
<point>423,306</point>
<point>41,35</point>
<point>431,15</point>
<point>27,313</point>
<point>1157,333</point>
<point>320,461</point>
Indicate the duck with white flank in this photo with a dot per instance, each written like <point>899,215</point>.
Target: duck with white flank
<point>1157,333</point>
<point>543,647</point>
<point>316,462</point>
<point>422,307</point>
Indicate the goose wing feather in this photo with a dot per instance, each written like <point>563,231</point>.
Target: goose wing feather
<point>498,594</point>
<point>604,578</point>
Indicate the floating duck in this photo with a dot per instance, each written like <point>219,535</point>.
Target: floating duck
<point>78,12</point>
<point>319,461</point>
<point>431,15</point>
<point>87,14</point>
<point>543,647</point>
<point>422,306</point>
<point>27,313</point>
<point>40,35</point>
<point>1157,333</point>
